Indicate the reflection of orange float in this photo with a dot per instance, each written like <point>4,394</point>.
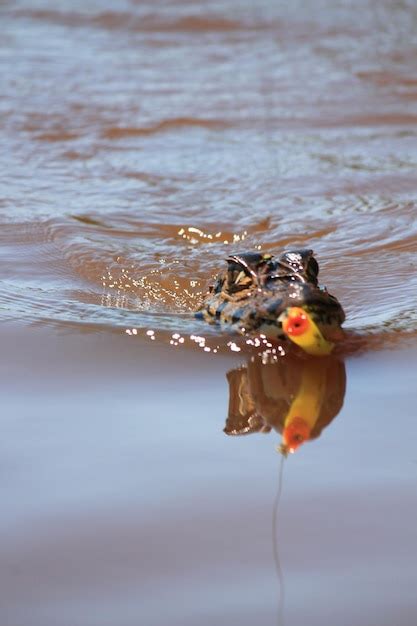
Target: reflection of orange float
<point>297,397</point>
<point>300,328</point>
<point>305,408</point>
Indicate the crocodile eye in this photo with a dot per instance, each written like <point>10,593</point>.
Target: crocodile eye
<point>240,277</point>
<point>237,279</point>
<point>232,275</point>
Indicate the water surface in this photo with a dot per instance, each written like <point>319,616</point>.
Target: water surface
<point>145,142</point>
<point>124,502</point>
<point>142,143</point>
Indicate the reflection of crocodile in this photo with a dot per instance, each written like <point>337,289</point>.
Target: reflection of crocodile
<point>297,397</point>
<point>277,297</point>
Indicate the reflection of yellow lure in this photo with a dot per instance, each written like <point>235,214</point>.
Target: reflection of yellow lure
<point>305,408</point>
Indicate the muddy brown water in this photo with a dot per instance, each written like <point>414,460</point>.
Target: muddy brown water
<point>141,144</point>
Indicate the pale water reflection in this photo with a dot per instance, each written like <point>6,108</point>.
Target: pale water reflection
<point>124,503</point>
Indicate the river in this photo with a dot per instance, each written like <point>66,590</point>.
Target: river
<point>141,144</point>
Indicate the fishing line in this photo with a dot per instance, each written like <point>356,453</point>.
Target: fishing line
<point>275,548</point>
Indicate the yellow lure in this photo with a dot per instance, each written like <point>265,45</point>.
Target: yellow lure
<point>301,329</point>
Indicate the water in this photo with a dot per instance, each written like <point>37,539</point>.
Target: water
<point>141,144</point>
<point>124,502</point>
<point>154,140</point>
